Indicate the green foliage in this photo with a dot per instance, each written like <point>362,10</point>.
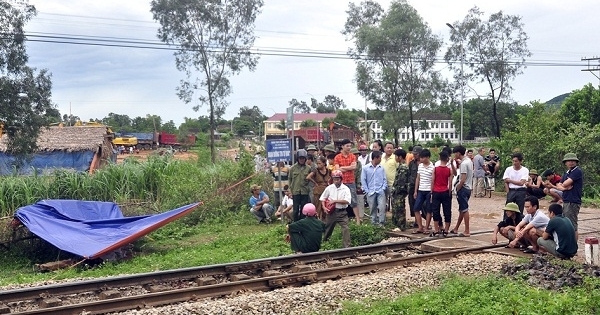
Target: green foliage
<point>308,123</point>
<point>196,28</point>
<point>543,136</point>
<point>348,118</point>
<point>363,234</point>
<point>582,106</point>
<point>488,295</point>
<point>25,92</point>
<point>400,52</point>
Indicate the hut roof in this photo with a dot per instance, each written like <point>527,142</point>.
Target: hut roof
<point>71,139</point>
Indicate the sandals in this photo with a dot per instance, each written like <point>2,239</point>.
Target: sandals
<point>529,251</point>
<point>445,233</point>
<point>453,232</point>
<point>417,232</point>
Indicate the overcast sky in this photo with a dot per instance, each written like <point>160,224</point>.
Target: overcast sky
<point>93,81</point>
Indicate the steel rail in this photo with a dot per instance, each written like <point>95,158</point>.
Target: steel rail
<point>258,284</point>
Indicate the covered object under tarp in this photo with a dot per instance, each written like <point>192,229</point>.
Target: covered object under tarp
<point>91,229</point>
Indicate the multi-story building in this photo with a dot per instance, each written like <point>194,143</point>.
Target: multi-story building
<point>271,125</point>
<point>429,126</point>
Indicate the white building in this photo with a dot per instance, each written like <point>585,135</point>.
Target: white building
<point>437,125</point>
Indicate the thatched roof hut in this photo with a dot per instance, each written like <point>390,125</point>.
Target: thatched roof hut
<point>82,148</point>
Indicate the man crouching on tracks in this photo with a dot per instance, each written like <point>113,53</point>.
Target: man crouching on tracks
<point>339,195</point>
<point>305,235</point>
<point>531,227</point>
<point>507,226</point>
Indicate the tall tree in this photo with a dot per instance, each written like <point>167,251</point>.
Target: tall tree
<point>582,106</point>
<point>300,106</point>
<point>395,53</point>
<point>491,51</point>
<point>24,92</point>
<point>213,39</point>
<point>253,119</point>
<point>118,122</point>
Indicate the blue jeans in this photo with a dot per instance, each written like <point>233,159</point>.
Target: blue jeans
<point>377,205</point>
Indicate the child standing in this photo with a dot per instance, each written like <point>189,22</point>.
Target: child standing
<point>423,193</point>
<point>441,194</point>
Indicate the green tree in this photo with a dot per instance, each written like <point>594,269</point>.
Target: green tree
<point>300,106</point>
<point>195,126</point>
<point>330,104</point>
<point>491,52</point>
<point>150,123</point>
<point>25,93</point>
<point>253,119</point>
<point>395,53</point>
<point>308,123</point>
<point>348,118</point>
<point>213,40</point>
<point>582,106</point>
<point>119,123</point>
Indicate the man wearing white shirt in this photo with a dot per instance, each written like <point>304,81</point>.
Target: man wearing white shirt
<point>515,179</point>
<point>364,158</point>
<point>339,194</point>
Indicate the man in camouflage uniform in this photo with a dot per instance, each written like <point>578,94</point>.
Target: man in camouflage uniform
<point>360,195</point>
<point>413,167</point>
<point>399,191</point>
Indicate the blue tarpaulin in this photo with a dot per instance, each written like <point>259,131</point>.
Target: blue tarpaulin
<point>78,161</point>
<point>91,228</point>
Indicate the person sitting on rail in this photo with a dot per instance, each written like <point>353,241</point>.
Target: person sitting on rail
<point>559,238</point>
<point>306,234</point>
<point>339,195</point>
<point>507,226</point>
<point>550,182</point>
<point>531,227</point>
<point>259,204</point>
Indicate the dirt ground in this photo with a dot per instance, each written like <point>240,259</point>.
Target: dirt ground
<point>142,155</point>
<point>485,213</point>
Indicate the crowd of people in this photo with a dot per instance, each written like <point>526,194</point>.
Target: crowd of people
<point>326,188</point>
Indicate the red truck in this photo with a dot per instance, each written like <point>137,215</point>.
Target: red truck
<point>169,139</point>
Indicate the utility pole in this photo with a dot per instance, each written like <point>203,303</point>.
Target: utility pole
<point>591,67</point>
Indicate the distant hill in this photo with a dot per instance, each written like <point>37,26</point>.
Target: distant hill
<point>557,101</point>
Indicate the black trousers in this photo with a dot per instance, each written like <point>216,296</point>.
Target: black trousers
<point>299,202</point>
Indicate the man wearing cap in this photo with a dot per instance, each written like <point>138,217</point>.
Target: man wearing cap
<point>329,150</point>
<point>559,237</point>
<point>515,180</point>
<point>338,194</point>
<point>413,168</point>
<point>399,190</point>
<point>298,183</point>
<point>552,179</point>
<point>259,205</point>
<point>506,227</point>
<point>534,185</point>
<point>312,150</point>
<point>346,162</point>
<point>531,227</point>
<point>571,185</point>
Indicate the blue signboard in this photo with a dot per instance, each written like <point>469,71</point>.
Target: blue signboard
<point>279,150</point>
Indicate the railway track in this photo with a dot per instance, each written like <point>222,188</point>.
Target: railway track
<point>174,286</point>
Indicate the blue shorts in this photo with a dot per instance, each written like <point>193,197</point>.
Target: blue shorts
<point>354,197</point>
<point>462,196</point>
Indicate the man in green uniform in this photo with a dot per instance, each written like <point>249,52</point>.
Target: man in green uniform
<point>305,235</point>
<point>299,183</point>
<point>413,167</point>
<point>400,190</point>
<point>559,237</point>
<point>360,195</point>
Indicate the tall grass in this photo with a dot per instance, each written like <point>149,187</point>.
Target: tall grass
<point>161,181</point>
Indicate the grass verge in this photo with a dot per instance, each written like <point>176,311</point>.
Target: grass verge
<point>231,237</point>
<point>493,295</point>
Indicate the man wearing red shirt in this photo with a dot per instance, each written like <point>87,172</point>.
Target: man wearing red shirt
<point>346,162</point>
<point>552,179</point>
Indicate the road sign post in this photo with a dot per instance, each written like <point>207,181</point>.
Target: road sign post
<point>290,125</point>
